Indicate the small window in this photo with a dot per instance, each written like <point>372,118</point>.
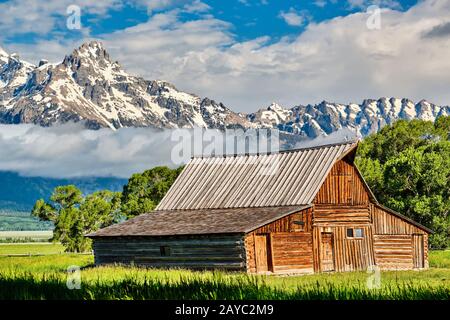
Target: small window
<point>355,233</point>
<point>359,233</point>
<point>297,223</point>
<point>165,251</point>
<point>349,233</point>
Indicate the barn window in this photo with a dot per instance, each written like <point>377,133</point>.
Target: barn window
<point>297,223</point>
<point>349,233</point>
<point>355,233</point>
<point>165,251</point>
<point>359,233</point>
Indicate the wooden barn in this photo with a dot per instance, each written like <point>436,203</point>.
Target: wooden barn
<point>299,211</point>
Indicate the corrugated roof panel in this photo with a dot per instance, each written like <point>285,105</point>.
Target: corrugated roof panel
<point>247,181</point>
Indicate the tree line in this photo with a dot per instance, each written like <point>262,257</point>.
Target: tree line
<point>75,214</point>
<point>407,165</point>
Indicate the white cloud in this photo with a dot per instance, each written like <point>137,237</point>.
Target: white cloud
<point>292,17</point>
<point>337,60</point>
<point>69,151</point>
<point>364,4</point>
<point>197,6</point>
<point>154,6</point>
<point>320,3</point>
<point>42,17</point>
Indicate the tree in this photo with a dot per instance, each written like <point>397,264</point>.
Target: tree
<point>407,165</point>
<point>145,190</point>
<point>74,215</point>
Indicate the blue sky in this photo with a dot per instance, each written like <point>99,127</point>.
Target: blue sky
<point>246,53</point>
<point>249,18</point>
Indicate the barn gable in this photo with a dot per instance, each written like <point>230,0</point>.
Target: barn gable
<point>344,185</point>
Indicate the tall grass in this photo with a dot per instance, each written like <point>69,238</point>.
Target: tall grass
<point>440,259</point>
<point>193,286</point>
<point>45,277</point>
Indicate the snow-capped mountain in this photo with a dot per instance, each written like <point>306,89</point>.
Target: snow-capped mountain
<point>88,86</point>
<point>365,118</point>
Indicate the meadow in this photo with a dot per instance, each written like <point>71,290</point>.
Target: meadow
<point>46,277</point>
<point>26,237</point>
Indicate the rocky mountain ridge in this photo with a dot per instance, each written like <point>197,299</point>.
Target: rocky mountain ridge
<point>89,87</point>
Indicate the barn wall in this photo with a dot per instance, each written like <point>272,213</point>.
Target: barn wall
<point>386,223</point>
<point>286,224</point>
<point>343,202</point>
<point>195,252</point>
<point>290,244</point>
<point>393,251</point>
<point>292,252</point>
<point>350,254</point>
<point>343,185</point>
<point>330,215</point>
<point>394,241</point>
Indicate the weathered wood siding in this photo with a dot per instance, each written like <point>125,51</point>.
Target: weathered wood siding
<point>290,244</point>
<point>343,186</point>
<point>194,252</point>
<point>386,223</point>
<point>330,215</point>
<point>343,202</point>
<point>287,224</point>
<point>393,251</point>
<point>425,246</point>
<point>350,254</point>
<point>395,246</point>
<point>292,252</point>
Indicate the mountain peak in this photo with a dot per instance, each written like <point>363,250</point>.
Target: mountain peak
<point>94,44</point>
<point>91,50</point>
<point>275,107</point>
<point>424,102</point>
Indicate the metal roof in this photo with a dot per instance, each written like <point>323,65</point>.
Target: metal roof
<point>194,222</point>
<point>266,180</point>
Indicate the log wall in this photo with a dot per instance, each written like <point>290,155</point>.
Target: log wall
<point>393,251</point>
<point>290,244</point>
<point>395,246</point>
<point>193,252</point>
<point>340,214</point>
<point>292,252</point>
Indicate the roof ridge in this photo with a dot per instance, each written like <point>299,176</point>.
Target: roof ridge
<point>279,151</point>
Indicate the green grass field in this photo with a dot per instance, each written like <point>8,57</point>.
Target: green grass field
<point>36,248</point>
<point>25,236</point>
<point>45,277</point>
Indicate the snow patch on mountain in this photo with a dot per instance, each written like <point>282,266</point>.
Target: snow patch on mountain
<point>89,87</point>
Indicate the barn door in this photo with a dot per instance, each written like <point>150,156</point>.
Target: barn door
<point>262,252</point>
<point>327,251</point>
<point>418,250</point>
